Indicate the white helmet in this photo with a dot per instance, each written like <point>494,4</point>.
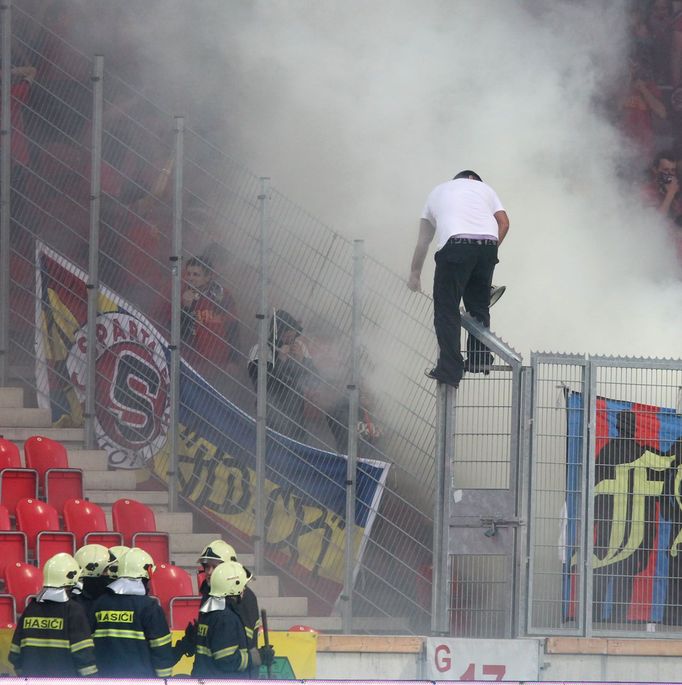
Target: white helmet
<point>228,580</point>
<point>218,550</point>
<point>115,554</point>
<point>92,559</point>
<point>135,563</point>
<point>61,570</point>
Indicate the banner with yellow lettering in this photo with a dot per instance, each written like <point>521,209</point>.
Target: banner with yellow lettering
<point>637,559</point>
<point>305,486</point>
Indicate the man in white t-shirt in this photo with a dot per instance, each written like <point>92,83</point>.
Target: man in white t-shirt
<point>469,223</point>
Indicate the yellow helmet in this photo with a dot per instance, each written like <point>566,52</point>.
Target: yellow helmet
<point>115,554</point>
<point>218,550</point>
<point>135,563</point>
<point>61,570</point>
<point>92,559</point>
<point>228,580</point>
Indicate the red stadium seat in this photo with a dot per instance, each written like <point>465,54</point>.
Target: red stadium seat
<point>156,544</point>
<point>42,454</point>
<point>169,581</point>
<point>5,523</point>
<point>13,548</point>
<point>107,538</point>
<point>33,517</point>
<point>8,611</point>
<point>10,458</point>
<point>62,485</point>
<point>15,481</point>
<point>22,581</point>
<point>130,517</point>
<point>183,610</point>
<point>51,542</point>
<point>89,523</point>
<point>15,485</point>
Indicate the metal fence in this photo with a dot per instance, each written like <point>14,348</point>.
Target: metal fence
<point>116,203</point>
<point>117,212</point>
<point>604,507</point>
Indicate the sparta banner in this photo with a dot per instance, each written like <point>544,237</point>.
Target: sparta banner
<point>306,487</point>
<point>637,559</point>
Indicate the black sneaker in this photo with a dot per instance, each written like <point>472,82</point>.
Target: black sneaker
<point>496,292</point>
<point>472,365</point>
<point>437,375</point>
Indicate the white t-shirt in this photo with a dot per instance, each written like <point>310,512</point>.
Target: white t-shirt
<point>462,207</point>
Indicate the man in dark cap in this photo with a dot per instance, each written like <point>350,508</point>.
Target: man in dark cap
<point>290,372</point>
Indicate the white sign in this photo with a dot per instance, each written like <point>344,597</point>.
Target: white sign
<point>463,659</point>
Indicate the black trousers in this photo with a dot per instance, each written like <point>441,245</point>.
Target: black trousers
<point>464,272</point>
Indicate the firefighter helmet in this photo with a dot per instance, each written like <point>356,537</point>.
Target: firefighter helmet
<point>228,580</point>
<point>218,550</point>
<point>135,563</point>
<point>92,559</point>
<point>61,570</point>
<point>115,554</point>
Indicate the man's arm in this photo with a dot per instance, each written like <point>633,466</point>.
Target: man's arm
<point>502,225</point>
<point>426,233</point>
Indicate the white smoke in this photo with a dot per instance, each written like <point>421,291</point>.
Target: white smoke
<point>357,109</point>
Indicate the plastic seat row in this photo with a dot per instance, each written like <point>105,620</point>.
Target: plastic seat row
<point>39,534</point>
<point>46,473</point>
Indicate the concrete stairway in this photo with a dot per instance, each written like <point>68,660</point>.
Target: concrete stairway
<point>104,487</point>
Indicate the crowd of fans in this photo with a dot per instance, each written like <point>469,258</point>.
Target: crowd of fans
<point>51,169</point>
<point>649,108</point>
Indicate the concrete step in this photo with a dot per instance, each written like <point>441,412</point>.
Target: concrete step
<point>87,460</point>
<point>25,418</point>
<point>166,522</point>
<point>190,543</point>
<point>284,606</point>
<point>11,397</point>
<point>110,496</point>
<point>108,480</point>
<point>323,624</point>
<point>69,437</point>
<point>265,586</point>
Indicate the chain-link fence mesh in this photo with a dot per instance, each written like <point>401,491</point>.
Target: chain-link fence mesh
<point>621,418</point>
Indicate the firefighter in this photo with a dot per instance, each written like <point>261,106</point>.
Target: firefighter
<point>131,633</point>
<point>52,637</point>
<point>216,553</point>
<point>93,561</point>
<point>222,648</point>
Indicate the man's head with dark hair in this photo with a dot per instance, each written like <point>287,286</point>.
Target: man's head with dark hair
<point>668,155</point>
<point>664,168</point>
<point>468,173</point>
<point>198,272</point>
<point>204,262</point>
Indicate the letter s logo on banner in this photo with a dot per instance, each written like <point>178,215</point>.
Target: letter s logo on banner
<point>132,388</point>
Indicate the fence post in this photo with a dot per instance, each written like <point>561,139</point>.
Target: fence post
<point>93,252</point>
<point>262,383</point>
<point>352,461</point>
<point>588,460</point>
<point>176,285</point>
<point>5,183</point>
<point>441,574</point>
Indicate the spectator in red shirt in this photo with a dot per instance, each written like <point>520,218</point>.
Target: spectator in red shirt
<point>209,326</point>
<point>642,100</point>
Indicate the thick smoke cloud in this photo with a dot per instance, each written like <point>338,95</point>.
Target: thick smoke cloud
<point>356,109</point>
